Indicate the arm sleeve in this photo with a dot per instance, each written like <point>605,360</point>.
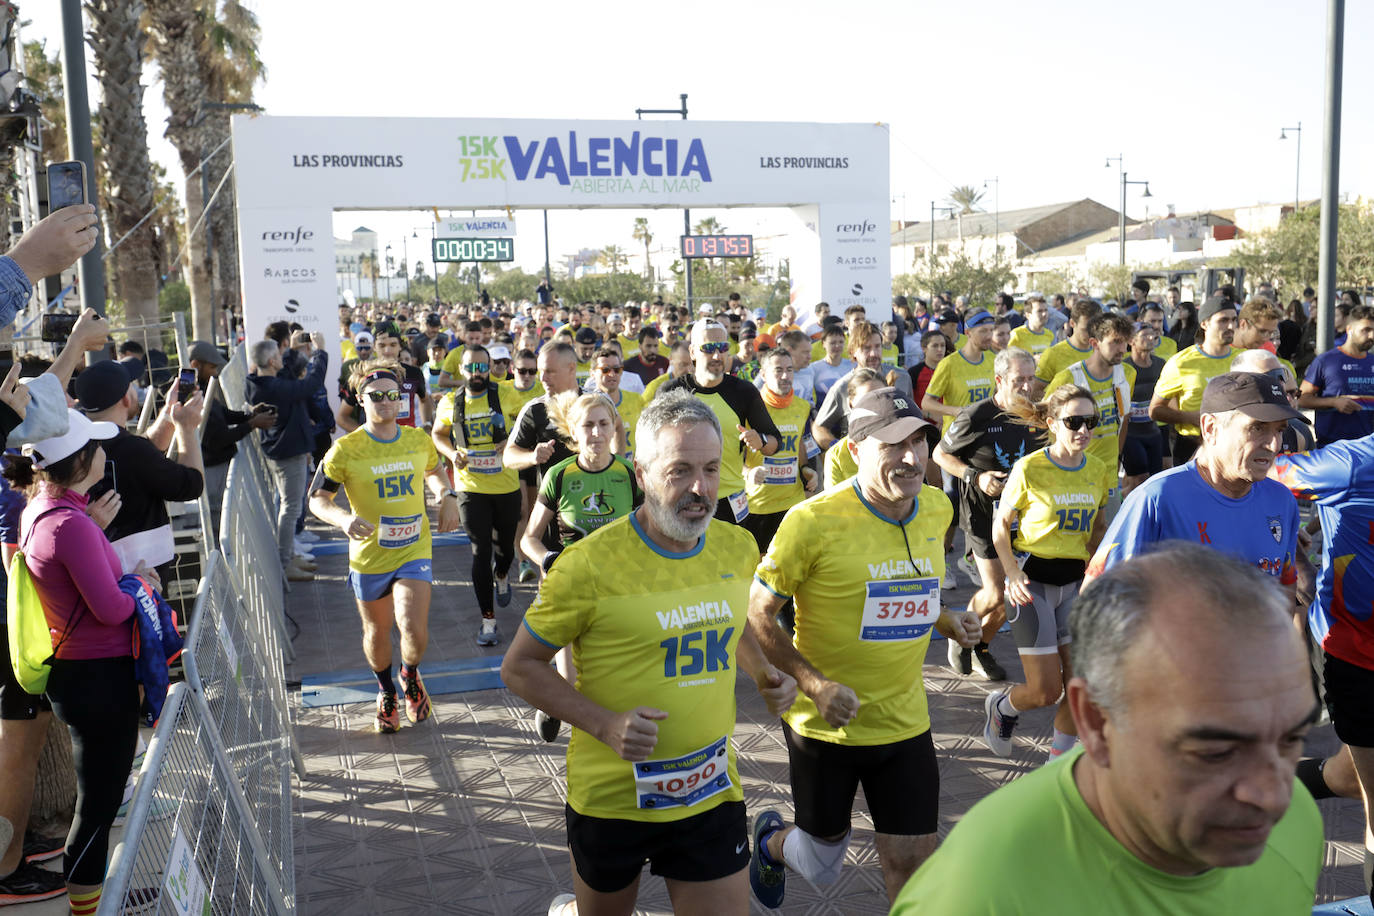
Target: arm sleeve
<point>78,540</point>
<point>563,607</point>
<point>1323,474</point>
<point>756,415</point>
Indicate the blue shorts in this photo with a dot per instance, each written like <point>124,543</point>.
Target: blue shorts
<point>371,586</point>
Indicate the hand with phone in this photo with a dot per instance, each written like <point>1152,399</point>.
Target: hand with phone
<point>56,242</point>
<point>186,384</point>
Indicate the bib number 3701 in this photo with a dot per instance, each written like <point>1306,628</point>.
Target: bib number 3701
<point>684,780</point>
<point>900,608</point>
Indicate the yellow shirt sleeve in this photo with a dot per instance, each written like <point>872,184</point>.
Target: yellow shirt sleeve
<point>1061,377</point>
<point>453,362</point>
<point>1170,384</point>
<point>790,557</point>
<point>563,605</point>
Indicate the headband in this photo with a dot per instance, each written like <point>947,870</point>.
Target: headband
<point>376,374</point>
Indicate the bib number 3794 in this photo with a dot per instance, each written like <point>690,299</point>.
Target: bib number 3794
<point>684,780</point>
<point>900,608</point>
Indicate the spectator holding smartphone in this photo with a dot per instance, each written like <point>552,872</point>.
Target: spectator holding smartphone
<point>51,246</point>
<point>223,427</point>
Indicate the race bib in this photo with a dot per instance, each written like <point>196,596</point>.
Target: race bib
<point>684,780</point>
<point>739,504</point>
<point>484,461</point>
<point>398,530</point>
<point>403,413</point>
<point>810,446</point>
<point>900,609</point>
<point>1140,411</point>
<point>779,470</point>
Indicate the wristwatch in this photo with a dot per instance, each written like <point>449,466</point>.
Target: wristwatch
<point>971,476</point>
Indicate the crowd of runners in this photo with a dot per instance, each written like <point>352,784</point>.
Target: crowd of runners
<point>696,494</point>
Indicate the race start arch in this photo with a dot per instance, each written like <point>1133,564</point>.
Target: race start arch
<point>291,173</point>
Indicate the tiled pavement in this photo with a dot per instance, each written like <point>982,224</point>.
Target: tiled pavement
<point>464,813</point>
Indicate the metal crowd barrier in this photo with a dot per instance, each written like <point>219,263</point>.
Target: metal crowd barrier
<point>190,845</point>
<point>248,540</point>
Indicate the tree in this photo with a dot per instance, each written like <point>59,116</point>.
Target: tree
<point>613,256</point>
<point>962,275</point>
<point>708,226</point>
<point>642,234</point>
<point>207,53</point>
<point>128,182</point>
<point>964,198</point>
<point>1288,254</point>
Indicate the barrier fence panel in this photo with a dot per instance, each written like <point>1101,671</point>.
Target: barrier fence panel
<point>227,660</point>
<point>249,543</point>
<point>190,844</point>
<point>233,378</point>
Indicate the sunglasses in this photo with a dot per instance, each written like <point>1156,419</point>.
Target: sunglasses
<point>722,346</point>
<point>613,370</point>
<point>377,397</point>
<point>526,371</point>
<point>476,367</point>
<point>1077,422</point>
<point>364,348</point>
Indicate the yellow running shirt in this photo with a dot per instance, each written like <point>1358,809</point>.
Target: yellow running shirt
<point>385,485</point>
<point>839,464</point>
<point>1166,347</point>
<point>867,591</point>
<point>957,382</point>
<point>1112,395</point>
<point>663,633</point>
<point>516,399</point>
<point>1031,342</point>
<point>1056,505</point>
<point>1057,358</point>
<point>630,407</point>
<point>1185,376</point>
<point>486,471</point>
<point>584,372</point>
<point>651,387</point>
<point>783,485</point>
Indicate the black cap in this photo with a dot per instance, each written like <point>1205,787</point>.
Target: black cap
<point>888,416</point>
<point>948,316</point>
<point>585,336</point>
<point>1255,395</point>
<point>102,385</point>
<point>1213,305</point>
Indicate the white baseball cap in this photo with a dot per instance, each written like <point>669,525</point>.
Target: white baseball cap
<point>80,430</point>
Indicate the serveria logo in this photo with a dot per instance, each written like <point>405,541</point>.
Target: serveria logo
<point>607,157</point>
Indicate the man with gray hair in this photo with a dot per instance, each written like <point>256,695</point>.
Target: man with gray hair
<point>289,441</point>
<point>1298,437</point>
<point>1192,697</point>
<point>1221,498</point>
<point>655,606</point>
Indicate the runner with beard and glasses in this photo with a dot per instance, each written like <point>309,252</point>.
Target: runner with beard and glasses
<point>471,433</point>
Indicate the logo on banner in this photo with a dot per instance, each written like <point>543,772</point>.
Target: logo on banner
<point>289,274</point>
<point>292,306</point>
<point>856,290</point>
<point>589,164</point>
<point>295,239</point>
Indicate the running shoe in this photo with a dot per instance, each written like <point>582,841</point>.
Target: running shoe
<point>503,592</point>
<point>548,726</point>
<point>41,849</point>
<point>527,573</point>
<point>948,581</point>
<point>998,728</point>
<point>388,719</point>
<point>969,568</point>
<point>307,537</point>
<point>563,905</point>
<point>960,659</point>
<point>417,698</point>
<point>29,883</point>
<point>768,881</point>
<point>490,633</point>
<point>983,662</point>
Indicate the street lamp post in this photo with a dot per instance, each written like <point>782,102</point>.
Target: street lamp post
<point>686,214</point>
<point>405,263</point>
<point>1297,181</point>
<point>996,217</point>
<point>390,270</point>
<point>1121,216</point>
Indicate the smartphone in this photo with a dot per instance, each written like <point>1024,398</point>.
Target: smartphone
<point>186,385</point>
<point>104,484</point>
<point>56,327</point>
<point>66,184</point>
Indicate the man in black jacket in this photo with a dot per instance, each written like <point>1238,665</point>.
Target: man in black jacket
<point>289,441</point>
<point>223,427</point>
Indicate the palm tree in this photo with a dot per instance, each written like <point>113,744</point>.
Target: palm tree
<point>117,43</point>
<point>708,226</point>
<point>206,53</point>
<point>612,256</point>
<point>642,234</point>
<point>965,198</point>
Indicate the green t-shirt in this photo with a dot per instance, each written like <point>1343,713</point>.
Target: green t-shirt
<point>1051,854</point>
<point>583,501</point>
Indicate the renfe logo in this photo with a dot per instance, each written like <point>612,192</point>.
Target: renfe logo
<point>607,157</point>
<point>863,228</point>
<point>299,234</point>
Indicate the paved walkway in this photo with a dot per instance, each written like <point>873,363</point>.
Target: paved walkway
<point>464,813</point>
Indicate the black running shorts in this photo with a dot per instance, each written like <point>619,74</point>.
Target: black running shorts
<point>609,853</point>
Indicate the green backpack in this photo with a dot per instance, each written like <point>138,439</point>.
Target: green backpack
<point>31,648</point>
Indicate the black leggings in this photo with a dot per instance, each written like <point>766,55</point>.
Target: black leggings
<point>484,514</point>
<point>97,699</point>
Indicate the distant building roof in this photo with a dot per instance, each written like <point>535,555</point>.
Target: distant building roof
<point>361,229</point>
<point>971,225</point>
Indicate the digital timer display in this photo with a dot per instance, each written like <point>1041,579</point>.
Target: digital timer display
<point>452,250</point>
<point>717,246</point>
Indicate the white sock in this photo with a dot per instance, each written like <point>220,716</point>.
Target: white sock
<point>1004,706</point>
<point>1062,741</point>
